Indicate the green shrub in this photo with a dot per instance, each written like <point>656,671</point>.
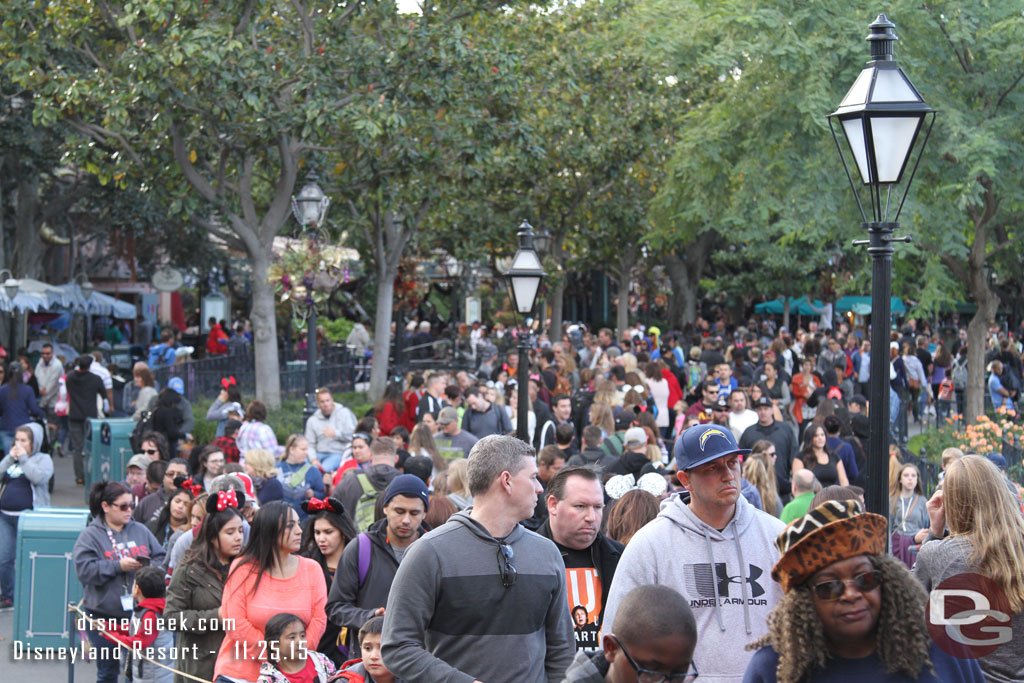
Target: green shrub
<point>337,330</point>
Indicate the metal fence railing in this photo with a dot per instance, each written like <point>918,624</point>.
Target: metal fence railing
<point>336,368</point>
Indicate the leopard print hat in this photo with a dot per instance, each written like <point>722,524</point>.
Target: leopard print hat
<point>833,531</point>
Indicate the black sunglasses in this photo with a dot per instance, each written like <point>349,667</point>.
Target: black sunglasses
<point>150,451</point>
<point>508,571</point>
<point>123,507</point>
<point>649,676</point>
<point>833,590</point>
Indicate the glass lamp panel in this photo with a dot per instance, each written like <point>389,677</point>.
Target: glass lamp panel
<point>524,291</point>
<point>858,93</point>
<point>892,86</point>
<point>854,130</point>
<point>526,259</point>
<point>893,138</point>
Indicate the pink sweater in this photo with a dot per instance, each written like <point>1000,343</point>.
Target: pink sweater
<point>303,595</point>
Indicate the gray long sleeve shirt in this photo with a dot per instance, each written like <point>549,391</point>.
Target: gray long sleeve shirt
<point>342,420</point>
<point>450,619</point>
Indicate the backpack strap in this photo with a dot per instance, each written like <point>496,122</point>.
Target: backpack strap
<point>364,481</point>
<point>364,557</point>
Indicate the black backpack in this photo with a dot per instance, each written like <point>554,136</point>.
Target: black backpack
<point>143,426</point>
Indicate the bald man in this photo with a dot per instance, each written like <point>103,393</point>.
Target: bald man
<point>653,630</point>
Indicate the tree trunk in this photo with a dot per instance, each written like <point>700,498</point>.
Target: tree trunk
<point>28,247</point>
<point>264,327</point>
<point>988,302</point>
<point>685,270</point>
<point>556,300</point>
<point>382,330</point>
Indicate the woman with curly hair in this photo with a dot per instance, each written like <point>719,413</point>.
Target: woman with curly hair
<point>850,611</point>
<point>986,538</point>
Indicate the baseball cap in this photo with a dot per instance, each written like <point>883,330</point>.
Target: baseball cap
<point>859,399</point>
<point>703,443</point>
<point>407,485</point>
<point>720,404</point>
<point>177,384</point>
<point>997,459</point>
<point>763,402</point>
<point>139,460</point>
<point>635,436</point>
<point>447,416</point>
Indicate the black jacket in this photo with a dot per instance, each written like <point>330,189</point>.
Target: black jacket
<point>595,458</point>
<point>349,604</point>
<point>605,554</point>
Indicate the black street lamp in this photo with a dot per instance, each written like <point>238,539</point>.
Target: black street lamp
<point>524,278</point>
<point>310,209</point>
<point>881,117</point>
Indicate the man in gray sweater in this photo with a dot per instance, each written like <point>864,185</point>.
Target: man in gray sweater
<point>482,583</point>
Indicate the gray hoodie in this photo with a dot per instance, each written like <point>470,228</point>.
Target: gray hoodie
<point>725,575</point>
<point>37,468</point>
<point>450,619</point>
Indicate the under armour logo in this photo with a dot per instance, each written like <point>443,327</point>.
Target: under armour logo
<point>700,580</point>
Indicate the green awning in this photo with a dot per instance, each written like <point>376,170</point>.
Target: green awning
<point>861,305</point>
<point>796,306</point>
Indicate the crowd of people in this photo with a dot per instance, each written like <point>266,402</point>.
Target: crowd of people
<point>670,505</point>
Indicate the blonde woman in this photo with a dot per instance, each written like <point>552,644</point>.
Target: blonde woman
<point>458,484</point>
<point>260,465</point>
<point>421,442</point>
<point>759,470</point>
<point>986,537</point>
<point>601,415</point>
<point>606,393</point>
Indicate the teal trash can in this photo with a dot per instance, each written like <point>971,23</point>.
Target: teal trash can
<point>108,449</point>
<point>45,580</point>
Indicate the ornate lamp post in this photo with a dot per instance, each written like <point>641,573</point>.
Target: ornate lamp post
<point>524,278</point>
<point>881,117</point>
<point>310,210</point>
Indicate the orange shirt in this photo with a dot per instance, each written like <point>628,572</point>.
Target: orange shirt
<point>304,595</point>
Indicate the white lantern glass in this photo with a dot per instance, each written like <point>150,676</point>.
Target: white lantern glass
<point>524,291</point>
<point>854,130</point>
<point>893,137</point>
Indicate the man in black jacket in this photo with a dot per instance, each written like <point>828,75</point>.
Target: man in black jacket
<point>781,435</point>
<point>370,561</point>
<point>84,390</point>
<point>593,455</point>
<point>575,503</point>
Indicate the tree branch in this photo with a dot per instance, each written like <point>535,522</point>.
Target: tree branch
<point>245,191</point>
<point>949,39</point>
<point>1008,91</point>
<point>192,176</point>
<point>308,37</point>
<point>104,136</point>
<point>277,211</point>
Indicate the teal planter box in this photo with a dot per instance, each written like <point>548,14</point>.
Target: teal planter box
<point>107,449</point>
<point>45,580</point>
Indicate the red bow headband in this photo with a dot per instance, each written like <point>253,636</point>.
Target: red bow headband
<point>191,486</point>
<point>226,499</point>
<point>228,382</point>
<point>326,505</point>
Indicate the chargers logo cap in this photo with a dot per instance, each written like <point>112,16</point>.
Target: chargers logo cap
<point>703,443</point>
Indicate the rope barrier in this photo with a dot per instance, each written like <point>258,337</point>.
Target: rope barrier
<point>77,608</point>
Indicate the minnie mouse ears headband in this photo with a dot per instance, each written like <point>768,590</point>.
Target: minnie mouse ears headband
<point>326,505</point>
<point>225,499</point>
<point>228,382</point>
<point>621,484</point>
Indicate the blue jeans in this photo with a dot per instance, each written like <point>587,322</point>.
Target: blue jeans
<point>894,415</point>
<point>107,668</point>
<point>8,546</point>
<point>329,461</point>
<point>7,438</point>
